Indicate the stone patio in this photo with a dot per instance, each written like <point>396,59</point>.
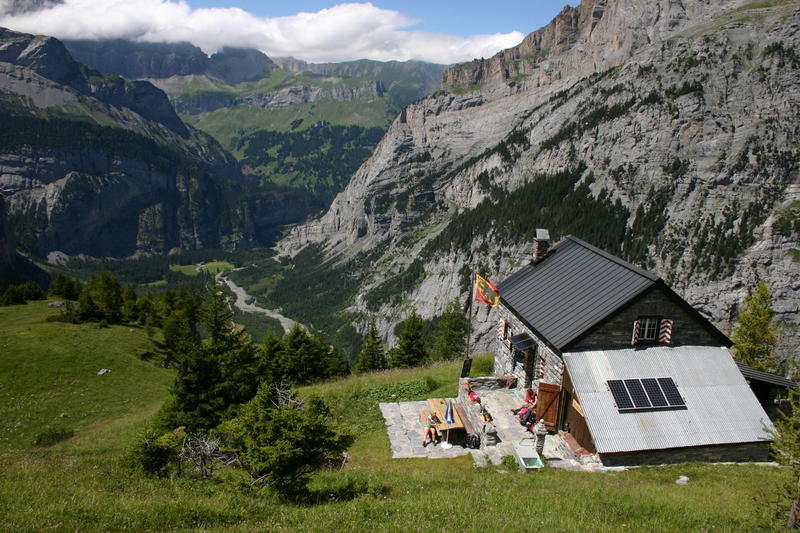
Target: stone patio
<point>405,435</point>
<point>405,432</point>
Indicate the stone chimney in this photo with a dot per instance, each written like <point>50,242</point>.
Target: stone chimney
<point>541,244</point>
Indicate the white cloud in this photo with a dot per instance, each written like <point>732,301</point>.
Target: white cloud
<point>342,32</point>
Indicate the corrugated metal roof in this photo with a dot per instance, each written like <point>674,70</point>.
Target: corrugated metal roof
<point>765,377</point>
<point>720,407</point>
<point>572,289</point>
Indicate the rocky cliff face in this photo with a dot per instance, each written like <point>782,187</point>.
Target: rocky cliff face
<point>595,35</point>
<point>280,99</point>
<point>48,58</point>
<point>669,143</point>
<point>93,164</point>
<point>134,60</point>
<point>405,80</point>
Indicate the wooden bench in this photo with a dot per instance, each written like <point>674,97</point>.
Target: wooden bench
<point>468,427</point>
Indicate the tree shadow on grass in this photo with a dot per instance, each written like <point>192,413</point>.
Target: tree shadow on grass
<point>337,490</point>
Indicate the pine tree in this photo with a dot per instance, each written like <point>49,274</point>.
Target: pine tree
<point>283,440</point>
<point>107,294</point>
<point>87,308</point>
<point>752,336</point>
<point>450,341</point>
<point>786,449</point>
<point>372,355</point>
<point>129,303</point>
<point>216,375</point>
<point>303,357</point>
<point>411,348</point>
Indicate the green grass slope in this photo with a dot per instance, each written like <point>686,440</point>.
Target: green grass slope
<point>79,484</point>
<point>48,374</point>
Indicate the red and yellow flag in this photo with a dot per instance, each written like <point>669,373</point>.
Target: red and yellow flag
<point>486,292</point>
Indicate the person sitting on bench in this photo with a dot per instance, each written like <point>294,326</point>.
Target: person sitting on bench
<point>527,412</point>
<point>430,430</point>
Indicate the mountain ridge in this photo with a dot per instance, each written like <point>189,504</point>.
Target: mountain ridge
<point>686,154</point>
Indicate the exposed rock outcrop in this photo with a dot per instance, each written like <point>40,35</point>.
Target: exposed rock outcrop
<point>680,118</point>
<point>591,37</point>
<point>48,58</point>
<point>141,60</point>
<point>281,99</point>
<point>94,164</point>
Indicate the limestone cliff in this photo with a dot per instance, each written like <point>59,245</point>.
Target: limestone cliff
<point>194,104</point>
<point>93,164</point>
<point>662,131</point>
<point>139,60</point>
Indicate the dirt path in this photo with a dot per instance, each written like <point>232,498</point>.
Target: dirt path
<point>241,303</point>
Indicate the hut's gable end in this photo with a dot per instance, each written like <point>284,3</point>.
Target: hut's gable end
<point>617,331</point>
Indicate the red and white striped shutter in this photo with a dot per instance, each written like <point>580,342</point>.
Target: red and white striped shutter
<point>541,367</point>
<point>665,331</point>
<point>501,330</point>
<point>637,325</point>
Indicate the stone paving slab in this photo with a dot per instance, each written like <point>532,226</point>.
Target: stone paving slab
<point>405,432</point>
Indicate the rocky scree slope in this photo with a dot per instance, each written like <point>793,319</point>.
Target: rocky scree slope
<point>94,164</point>
<point>678,150</point>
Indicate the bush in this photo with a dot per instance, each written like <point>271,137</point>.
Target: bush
<point>51,436</point>
<point>509,462</point>
<point>153,452</point>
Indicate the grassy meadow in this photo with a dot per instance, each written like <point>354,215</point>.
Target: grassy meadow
<point>48,369</point>
<point>212,267</point>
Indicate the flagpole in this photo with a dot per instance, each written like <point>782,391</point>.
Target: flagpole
<point>469,315</point>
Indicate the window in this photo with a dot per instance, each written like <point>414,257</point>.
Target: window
<point>645,394</point>
<point>649,328</point>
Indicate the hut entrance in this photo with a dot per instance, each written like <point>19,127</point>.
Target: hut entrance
<point>549,401</point>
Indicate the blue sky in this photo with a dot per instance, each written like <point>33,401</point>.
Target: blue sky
<point>435,31</point>
<point>463,18</point>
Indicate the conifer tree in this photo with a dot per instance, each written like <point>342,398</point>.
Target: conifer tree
<point>215,375</point>
<point>87,308</point>
<point>107,295</point>
<point>752,336</point>
<point>372,355</point>
<point>411,348</point>
<point>786,449</point>
<point>303,357</point>
<point>283,440</point>
<point>450,341</point>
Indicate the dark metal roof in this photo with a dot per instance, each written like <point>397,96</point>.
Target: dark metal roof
<point>765,377</point>
<point>576,286</point>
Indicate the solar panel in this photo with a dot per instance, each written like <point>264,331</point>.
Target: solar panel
<point>654,392</point>
<point>671,392</point>
<point>620,393</point>
<point>637,393</point>
<point>522,342</point>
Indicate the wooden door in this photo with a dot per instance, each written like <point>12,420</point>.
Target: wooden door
<point>547,405</point>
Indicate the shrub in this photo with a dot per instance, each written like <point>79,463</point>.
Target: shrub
<point>153,452</point>
<point>51,436</point>
<point>510,463</point>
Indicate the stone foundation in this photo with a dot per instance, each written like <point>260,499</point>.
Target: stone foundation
<point>724,453</point>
